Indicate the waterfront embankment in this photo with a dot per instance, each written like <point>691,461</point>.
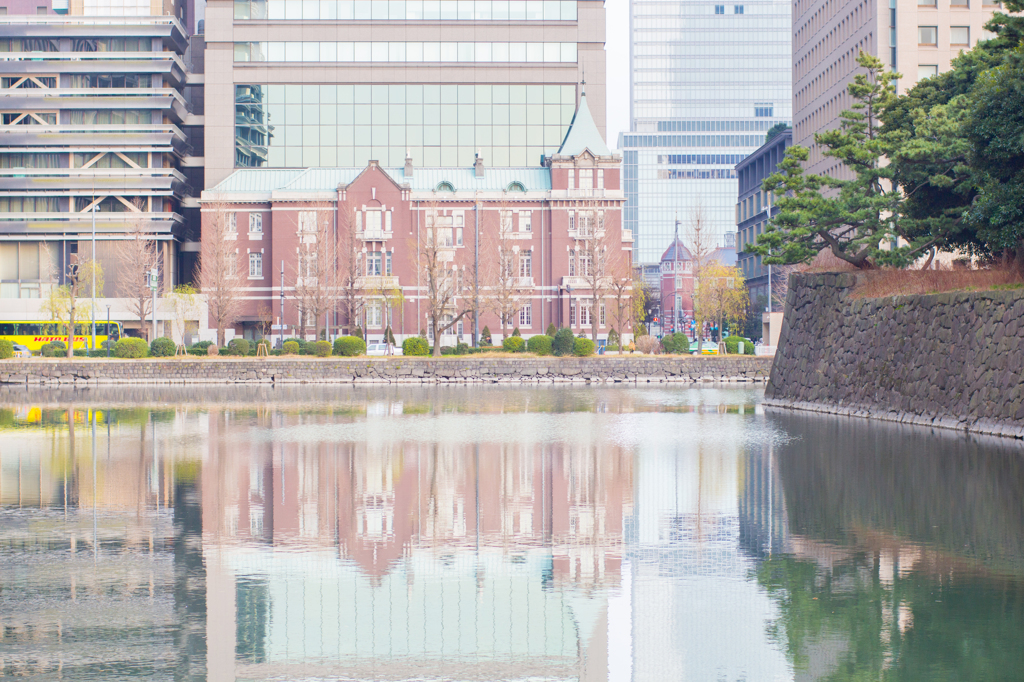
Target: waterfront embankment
<point>220,371</point>
<point>951,360</point>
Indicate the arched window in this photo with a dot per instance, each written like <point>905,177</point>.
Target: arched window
<point>515,186</point>
<point>444,186</point>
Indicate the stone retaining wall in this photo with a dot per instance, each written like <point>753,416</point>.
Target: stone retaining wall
<point>647,369</point>
<point>952,360</point>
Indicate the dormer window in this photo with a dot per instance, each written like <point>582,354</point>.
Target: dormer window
<point>515,186</point>
<point>444,186</point>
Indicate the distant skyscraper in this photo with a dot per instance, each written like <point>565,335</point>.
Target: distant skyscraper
<point>707,82</point>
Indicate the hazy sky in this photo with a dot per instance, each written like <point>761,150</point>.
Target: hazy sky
<point>617,56</point>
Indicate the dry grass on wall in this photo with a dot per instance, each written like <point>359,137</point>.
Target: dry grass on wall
<point>896,282</point>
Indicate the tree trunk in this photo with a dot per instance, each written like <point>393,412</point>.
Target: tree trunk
<point>436,351</point>
<point>595,318</point>
<point>220,335</point>
<point>71,331</point>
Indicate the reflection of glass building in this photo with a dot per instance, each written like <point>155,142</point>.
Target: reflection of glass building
<point>340,83</point>
<point>707,82</point>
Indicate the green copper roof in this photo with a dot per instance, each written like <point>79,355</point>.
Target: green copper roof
<point>257,179</point>
<point>532,179</point>
<point>583,134</point>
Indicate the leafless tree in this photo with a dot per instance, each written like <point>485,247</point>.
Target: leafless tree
<point>137,254</point>
<point>315,292</point>
<point>443,276</point>
<point>219,272</point>
<point>701,244</point>
<point>595,256</point>
<point>622,291</point>
<point>504,269</point>
<point>349,268</point>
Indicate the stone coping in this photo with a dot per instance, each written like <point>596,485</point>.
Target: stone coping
<point>462,369</point>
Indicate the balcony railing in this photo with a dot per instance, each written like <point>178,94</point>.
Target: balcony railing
<point>373,235</point>
<point>372,282</point>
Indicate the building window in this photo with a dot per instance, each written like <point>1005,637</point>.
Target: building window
<point>737,9</point>
<point>374,315</point>
<point>960,4</point>
<point>526,264</point>
<point>572,263</point>
<point>572,313</point>
<point>960,35</point>
<point>256,266</point>
<point>387,264</point>
<point>586,178</point>
<point>526,315</point>
<point>719,9</point>
<point>586,308</point>
<point>572,178</point>
<point>373,264</point>
<point>927,71</point>
<point>604,315</point>
<point>764,110</point>
<point>927,35</point>
<point>525,221</point>
<point>373,222</point>
<point>585,264</point>
<point>232,222</point>
<point>307,221</point>
<point>926,3</point>
<point>255,222</point>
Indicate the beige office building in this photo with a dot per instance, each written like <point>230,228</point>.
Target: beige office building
<point>917,39</point>
<point>326,83</point>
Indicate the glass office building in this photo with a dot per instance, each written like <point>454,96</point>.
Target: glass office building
<point>341,82</point>
<point>707,82</point>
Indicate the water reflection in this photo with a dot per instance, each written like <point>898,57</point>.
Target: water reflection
<point>497,534</point>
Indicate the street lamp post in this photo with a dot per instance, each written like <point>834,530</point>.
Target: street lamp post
<point>94,276</point>
<point>108,331</point>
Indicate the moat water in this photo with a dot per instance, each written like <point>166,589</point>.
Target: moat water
<point>496,533</point>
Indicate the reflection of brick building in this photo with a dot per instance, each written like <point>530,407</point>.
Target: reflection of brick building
<point>493,556</point>
<point>379,218</point>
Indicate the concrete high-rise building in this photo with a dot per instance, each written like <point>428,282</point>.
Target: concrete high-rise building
<point>917,40</point>
<point>332,83</point>
<point>94,138</point>
<point>707,82</point>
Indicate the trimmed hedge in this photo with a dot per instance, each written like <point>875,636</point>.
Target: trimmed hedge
<point>6,349</point>
<point>676,344</point>
<point>54,349</point>
<point>513,344</point>
<point>551,330</point>
<point>732,345</point>
<point>291,347</point>
<point>563,343</point>
<point>239,346</point>
<point>415,345</point>
<point>583,347</point>
<point>162,347</point>
<point>349,346</point>
<point>540,344</point>
<point>322,349</point>
<point>131,347</point>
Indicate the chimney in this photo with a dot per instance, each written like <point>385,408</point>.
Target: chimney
<point>408,164</point>
<point>478,165</point>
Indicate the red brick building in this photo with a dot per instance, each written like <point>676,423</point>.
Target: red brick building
<point>529,242</point>
<point>677,282</point>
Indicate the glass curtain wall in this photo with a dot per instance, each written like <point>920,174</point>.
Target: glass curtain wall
<point>299,126</point>
<point>718,77</point>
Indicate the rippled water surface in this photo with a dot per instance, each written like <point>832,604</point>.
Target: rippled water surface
<point>484,533</point>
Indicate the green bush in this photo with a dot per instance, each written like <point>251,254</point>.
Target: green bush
<point>291,347</point>
<point>563,342</point>
<point>239,346</point>
<point>199,348</point>
<point>461,348</point>
<point>447,350</point>
<point>612,347</point>
<point>613,337</point>
<point>485,336</point>
<point>551,330</point>
<point>131,347</point>
<point>358,331</point>
<point>6,349</point>
<point>582,348</point>
<point>162,347</point>
<point>415,345</point>
<point>515,332</point>
<point>732,345</point>
<point>349,346</point>
<point>54,349</point>
<point>322,349</point>
<point>540,344</point>
<point>676,344</point>
<point>513,344</point>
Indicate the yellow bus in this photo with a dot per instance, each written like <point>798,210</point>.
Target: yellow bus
<point>33,334</point>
